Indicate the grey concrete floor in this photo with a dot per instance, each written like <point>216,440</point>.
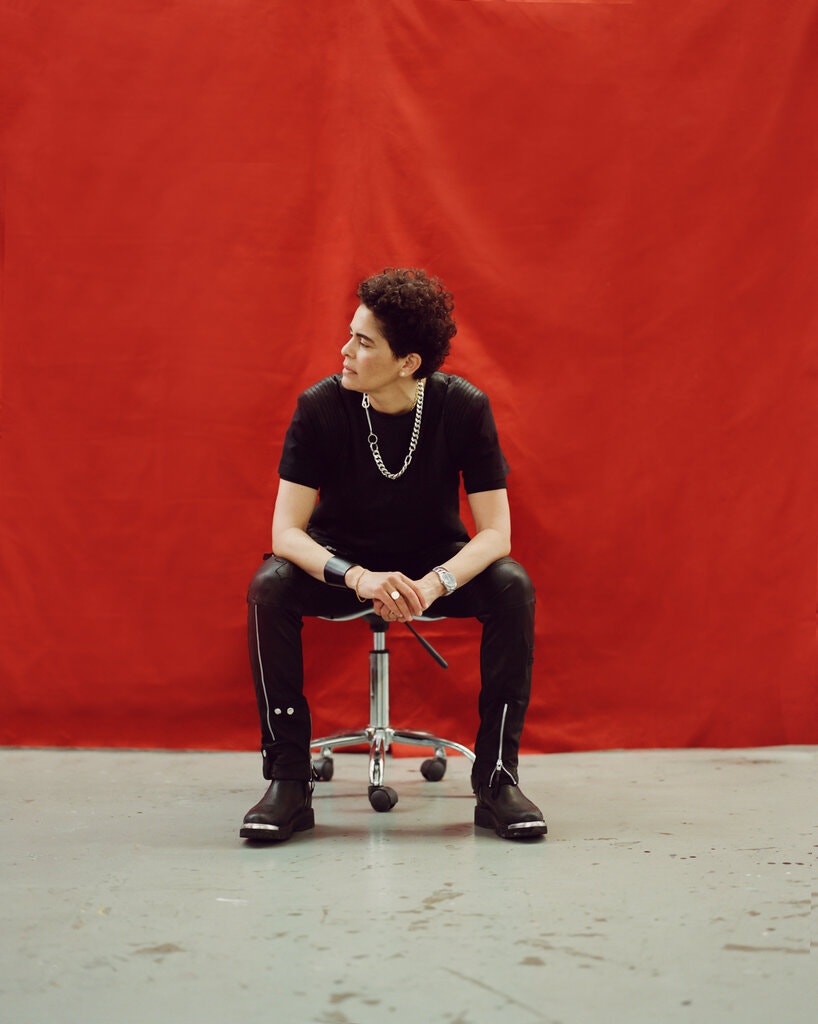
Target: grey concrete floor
<point>673,886</point>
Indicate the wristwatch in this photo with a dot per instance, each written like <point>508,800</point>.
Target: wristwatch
<point>446,578</point>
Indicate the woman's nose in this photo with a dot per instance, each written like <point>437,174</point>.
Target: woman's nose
<point>345,348</point>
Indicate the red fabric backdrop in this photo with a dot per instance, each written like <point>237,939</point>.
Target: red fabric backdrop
<point>622,198</point>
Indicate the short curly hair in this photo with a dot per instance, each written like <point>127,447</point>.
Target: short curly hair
<point>414,311</point>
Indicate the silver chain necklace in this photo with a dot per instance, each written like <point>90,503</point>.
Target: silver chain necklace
<point>373,437</point>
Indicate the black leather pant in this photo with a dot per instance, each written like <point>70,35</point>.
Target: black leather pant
<point>501,598</point>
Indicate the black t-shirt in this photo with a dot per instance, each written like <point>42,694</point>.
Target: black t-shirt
<point>365,516</point>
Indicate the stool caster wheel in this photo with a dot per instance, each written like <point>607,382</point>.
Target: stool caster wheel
<point>382,798</point>
<point>433,769</point>
<point>323,768</point>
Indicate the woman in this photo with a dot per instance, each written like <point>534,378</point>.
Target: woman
<point>368,510</point>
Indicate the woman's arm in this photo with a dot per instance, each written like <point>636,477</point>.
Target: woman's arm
<point>293,508</point>
<point>492,540</point>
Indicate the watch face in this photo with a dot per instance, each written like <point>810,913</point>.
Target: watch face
<point>448,580</point>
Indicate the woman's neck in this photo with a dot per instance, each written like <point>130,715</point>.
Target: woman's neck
<point>397,400</point>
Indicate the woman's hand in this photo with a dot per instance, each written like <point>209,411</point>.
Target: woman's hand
<point>394,596</point>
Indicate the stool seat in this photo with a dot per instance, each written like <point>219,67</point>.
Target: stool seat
<point>379,734</point>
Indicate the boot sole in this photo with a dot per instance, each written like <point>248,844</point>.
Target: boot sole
<point>260,833</point>
<point>483,818</point>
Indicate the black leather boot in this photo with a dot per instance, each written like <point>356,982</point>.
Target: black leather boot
<point>507,810</point>
<point>285,808</point>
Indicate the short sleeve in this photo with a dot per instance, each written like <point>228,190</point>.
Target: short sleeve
<point>483,464</point>
<point>300,461</point>
<point>316,431</point>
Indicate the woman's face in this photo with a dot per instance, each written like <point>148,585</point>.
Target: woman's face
<point>369,363</point>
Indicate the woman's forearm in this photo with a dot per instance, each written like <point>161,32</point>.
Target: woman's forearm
<point>299,548</point>
<point>485,547</point>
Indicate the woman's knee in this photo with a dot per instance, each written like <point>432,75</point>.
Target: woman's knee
<point>273,582</point>
<point>505,584</point>
<point>511,583</point>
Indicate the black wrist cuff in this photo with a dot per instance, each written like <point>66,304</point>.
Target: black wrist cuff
<point>335,570</point>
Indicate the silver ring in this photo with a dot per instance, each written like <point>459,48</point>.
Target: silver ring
<point>395,595</point>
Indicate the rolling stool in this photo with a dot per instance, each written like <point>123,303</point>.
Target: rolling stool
<point>379,734</point>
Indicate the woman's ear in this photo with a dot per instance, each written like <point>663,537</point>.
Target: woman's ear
<point>411,364</point>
